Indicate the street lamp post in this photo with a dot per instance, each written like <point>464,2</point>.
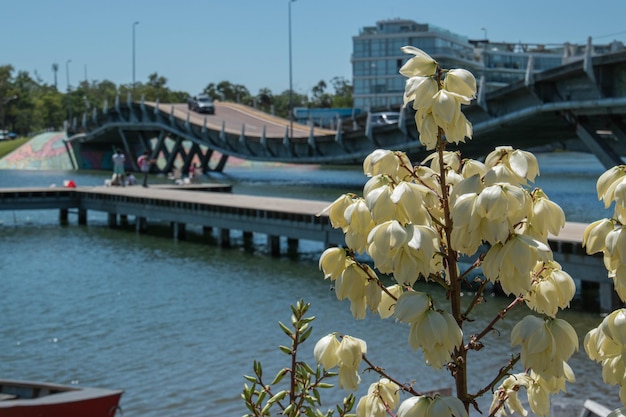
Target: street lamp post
<point>290,77</point>
<point>67,73</point>
<point>134,25</point>
<point>69,101</point>
<point>485,31</point>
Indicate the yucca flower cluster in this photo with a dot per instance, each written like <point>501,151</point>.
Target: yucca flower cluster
<point>415,221</point>
<point>609,235</point>
<point>607,343</point>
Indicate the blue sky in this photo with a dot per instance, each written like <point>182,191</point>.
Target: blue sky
<point>195,42</point>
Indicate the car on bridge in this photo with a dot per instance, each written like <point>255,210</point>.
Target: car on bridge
<point>201,103</point>
<point>384,118</point>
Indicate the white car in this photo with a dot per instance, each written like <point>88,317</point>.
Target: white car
<point>384,118</point>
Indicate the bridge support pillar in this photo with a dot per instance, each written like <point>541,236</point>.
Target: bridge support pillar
<point>112,219</point>
<point>82,217</point>
<point>124,219</point>
<point>248,240</point>
<point>179,231</point>
<point>221,164</point>
<point>274,243</point>
<point>292,246</point>
<point>225,238</point>
<point>63,216</point>
<point>141,224</point>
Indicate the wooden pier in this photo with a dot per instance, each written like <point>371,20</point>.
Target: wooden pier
<point>292,219</point>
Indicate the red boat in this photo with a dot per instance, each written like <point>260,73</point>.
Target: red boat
<point>35,399</point>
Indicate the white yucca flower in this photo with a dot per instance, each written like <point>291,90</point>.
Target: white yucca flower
<point>411,306</point>
<point>439,406</point>
<point>546,345</point>
<point>594,237</point>
<point>551,289</point>
<point>380,395</point>
<point>608,182</point>
<point>325,351</point>
<point>421,65</point>
<point>381,161</point>
<point>506,396</point>
<point>333,262</point>
<point>547,217</point>
<point>521,163</point>
<point>387,305</point>
<point>437,334</point>
<point>461,82</point>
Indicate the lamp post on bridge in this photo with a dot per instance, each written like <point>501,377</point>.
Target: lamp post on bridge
<point>134,25</point>
<point>290,76</point>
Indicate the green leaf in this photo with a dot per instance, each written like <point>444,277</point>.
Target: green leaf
<point>308,369</point>
<point>280,375</point>
<point>285,329</point>
<point>305,335</point>
<point>324,385</point>
<point>285,349</point>
<point>289,409</point>
<point>277,397</point>
<point>316,394</point>
<point>250,378</point>
<point>258,370</point>
<point>265,410</point>
<point>262,396</point>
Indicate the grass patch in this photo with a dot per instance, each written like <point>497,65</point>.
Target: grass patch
<point>8,146</point>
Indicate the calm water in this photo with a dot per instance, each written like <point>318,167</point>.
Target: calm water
<point>177,324</point>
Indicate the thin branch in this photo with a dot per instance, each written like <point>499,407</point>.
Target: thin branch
<point>504,371</point>
<point>498,317</point>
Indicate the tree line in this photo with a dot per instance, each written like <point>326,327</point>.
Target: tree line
<point>29,105</point>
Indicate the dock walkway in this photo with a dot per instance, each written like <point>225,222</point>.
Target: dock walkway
<point>292,219</point>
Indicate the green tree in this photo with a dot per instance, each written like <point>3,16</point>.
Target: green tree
<point>211,91</point>
<point>265,99</point>
<point>343,92</point>
<point>321,99</point>
<point>49,109</point>
<point>281,103</point>
<point>19,112</point>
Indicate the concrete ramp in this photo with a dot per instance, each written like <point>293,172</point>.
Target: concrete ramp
<point>44,151</point>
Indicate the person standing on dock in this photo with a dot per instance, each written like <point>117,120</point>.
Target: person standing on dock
<point>118,168</point>
<point>144,163</point>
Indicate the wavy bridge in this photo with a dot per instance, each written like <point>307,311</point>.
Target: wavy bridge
<point>585,99</point>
